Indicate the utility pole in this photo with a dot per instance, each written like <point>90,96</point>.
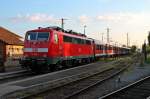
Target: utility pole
<point>127,40</point>
<point>102,37</point>
<point>84,28</point>
<point>108,30</point>
<point>62,23</point>
<point>103,42</point>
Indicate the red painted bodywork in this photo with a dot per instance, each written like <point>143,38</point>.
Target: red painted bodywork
<point>65,49</point>
<point>60,49</point>
<point>37,44</point>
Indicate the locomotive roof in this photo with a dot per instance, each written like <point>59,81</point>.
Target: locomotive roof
<point>76,36</point>
<point>64,32</point>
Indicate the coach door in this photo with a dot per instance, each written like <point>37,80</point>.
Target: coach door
<point>93,43</point>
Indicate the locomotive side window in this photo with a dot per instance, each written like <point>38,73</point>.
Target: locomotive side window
<point>88,42</point>
<point>43,36</point>
<point>56,38</point>
<point>67,39</point>
<point>31,36</point>
<point>78,41</point>
<point>82,41</point>
<point>75,40</point>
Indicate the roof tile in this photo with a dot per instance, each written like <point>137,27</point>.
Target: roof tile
<point>10,37</point>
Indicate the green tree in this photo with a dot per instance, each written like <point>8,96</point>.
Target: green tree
<point>133,48</point>
<point>148,49</point>
<point>144,50</point>
<point>149,39</point>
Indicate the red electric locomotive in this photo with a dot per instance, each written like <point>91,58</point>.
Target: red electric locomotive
<point>52,47</point>
<point>47,48</point>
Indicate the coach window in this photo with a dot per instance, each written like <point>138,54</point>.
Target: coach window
<point>97,47</point>
<point>56,38</point>
<point>110,47</point>
<point>100,47</point>
<point>106,47</point>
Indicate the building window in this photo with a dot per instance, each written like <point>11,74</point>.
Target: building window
<point>18,49</point>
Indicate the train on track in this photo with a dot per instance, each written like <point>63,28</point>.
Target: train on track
<point>53,47</point>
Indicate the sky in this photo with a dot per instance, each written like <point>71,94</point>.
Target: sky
<point>121,16</point>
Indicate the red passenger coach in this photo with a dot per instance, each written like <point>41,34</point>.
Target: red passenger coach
<point>99,49</point>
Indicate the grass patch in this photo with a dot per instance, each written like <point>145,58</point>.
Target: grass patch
<point>148,59</point>
<point>106,59</point>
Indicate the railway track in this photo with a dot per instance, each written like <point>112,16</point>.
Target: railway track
<point>17,75</point>
<point>136,90</point>
<point>12,76</point>
<point>75,88</point>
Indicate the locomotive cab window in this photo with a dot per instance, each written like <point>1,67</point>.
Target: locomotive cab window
<point>43,36</point>
<point>31,35</point>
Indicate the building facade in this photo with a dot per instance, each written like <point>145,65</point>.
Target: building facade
<point>11,48</point>
<point>14,51</point>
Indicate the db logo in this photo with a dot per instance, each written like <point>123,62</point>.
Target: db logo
<point>34,49</point>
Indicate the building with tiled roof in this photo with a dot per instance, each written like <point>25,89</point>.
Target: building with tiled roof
<point>10,37</point>
<point>11,46</point>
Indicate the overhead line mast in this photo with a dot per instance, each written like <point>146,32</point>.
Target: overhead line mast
<point>62,22</point>
<point>127,40</point>
<point>108,30</point>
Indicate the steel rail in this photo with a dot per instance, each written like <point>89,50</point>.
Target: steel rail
<point>125,88</point>
<point>96,83</point>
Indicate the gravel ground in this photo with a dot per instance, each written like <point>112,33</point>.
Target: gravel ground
<point>53,95</point>
<point>60,74</point>
<point>13,68</point>
<point>134,73</point>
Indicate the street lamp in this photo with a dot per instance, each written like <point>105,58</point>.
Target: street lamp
<point>84,28</point>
